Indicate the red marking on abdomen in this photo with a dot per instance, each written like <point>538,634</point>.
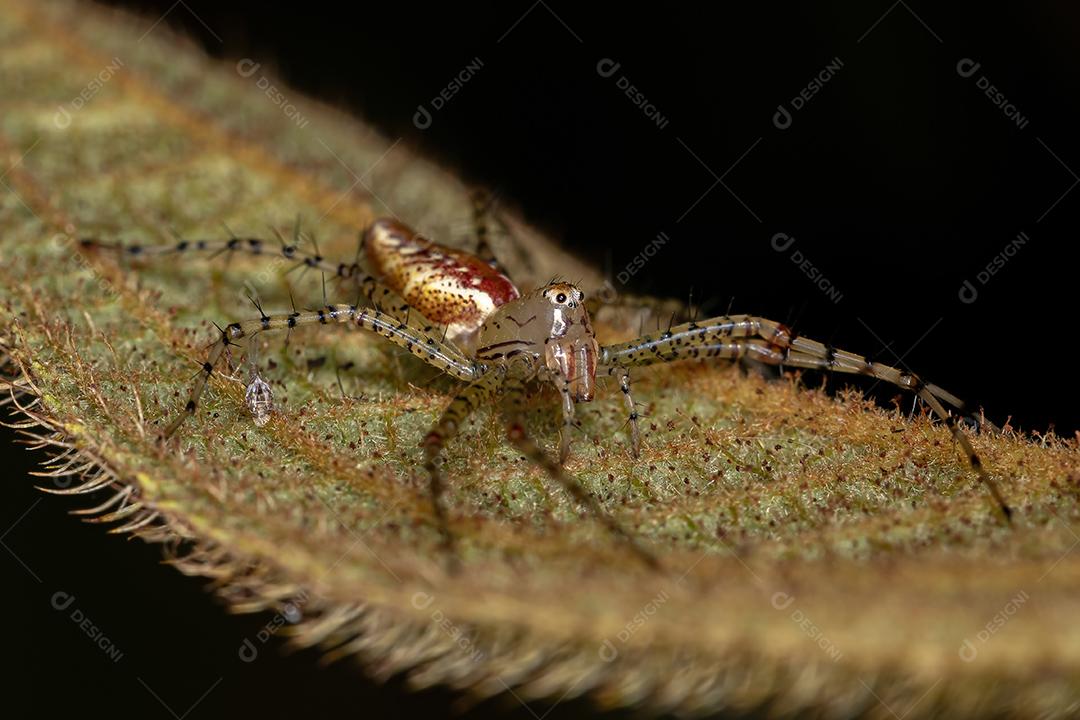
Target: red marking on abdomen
<point>449,286</point>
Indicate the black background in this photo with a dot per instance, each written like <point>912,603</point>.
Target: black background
<point>899,180</point>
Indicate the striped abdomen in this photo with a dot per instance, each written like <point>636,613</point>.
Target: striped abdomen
<point>449,286</point>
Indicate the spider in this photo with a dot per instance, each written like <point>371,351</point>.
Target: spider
<point>498,342</point>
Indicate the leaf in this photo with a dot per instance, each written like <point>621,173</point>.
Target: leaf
<point>821,554</point>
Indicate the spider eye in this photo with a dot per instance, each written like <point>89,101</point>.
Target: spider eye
<point>560,298</point>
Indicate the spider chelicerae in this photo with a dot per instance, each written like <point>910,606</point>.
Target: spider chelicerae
<point>460,313</point>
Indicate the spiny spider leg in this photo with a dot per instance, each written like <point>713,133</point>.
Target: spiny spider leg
<point>737,335</point>
<point>251,246</point>
<point>623,374</point>
<point>929,394</point>
<point>513,409</point>
<point>693,339</point>
<point>368,286</point>
<point>416,340</point>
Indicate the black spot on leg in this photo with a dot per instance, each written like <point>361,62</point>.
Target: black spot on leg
<point>190,407</point>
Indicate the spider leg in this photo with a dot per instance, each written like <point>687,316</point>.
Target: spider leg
<point>511,260</point>
<point>734,336</point>
<point>368,286</point>
<point>513,408</point>
<point>417,340</point>
<point>930,395</point>
<point>459,409</point>
<point>482,200</point>
<point>628,399</point>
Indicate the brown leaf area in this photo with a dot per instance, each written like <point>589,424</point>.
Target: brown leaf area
<point>821,554</point>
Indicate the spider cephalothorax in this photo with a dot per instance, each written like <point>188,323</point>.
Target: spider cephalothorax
<point>459,313</point>
<point>551,327</point>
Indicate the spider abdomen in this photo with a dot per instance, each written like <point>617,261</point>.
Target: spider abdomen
<point>449,286</point>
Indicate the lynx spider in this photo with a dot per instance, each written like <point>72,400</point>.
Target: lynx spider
<point>458,312</point>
